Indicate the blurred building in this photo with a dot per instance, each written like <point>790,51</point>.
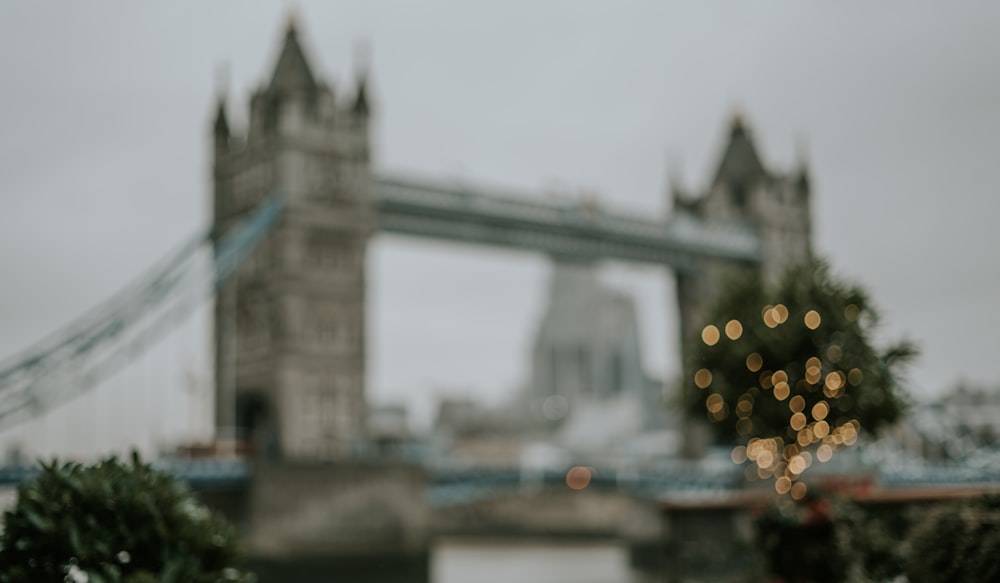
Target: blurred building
<point>588,394</point>
<point>960,424</point>
<point>587,362</point>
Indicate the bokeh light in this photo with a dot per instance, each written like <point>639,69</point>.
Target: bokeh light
<point>710,335</point>
<point>824,453</point>
<point>812,319</point>
<point>703,378</point>
<point>754,362</point>
<point>734,329</point>
<point>782,485</point>
<point>798,421</point>
<point>578,477</point>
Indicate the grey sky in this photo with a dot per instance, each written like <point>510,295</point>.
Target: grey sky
<point>106,105</point>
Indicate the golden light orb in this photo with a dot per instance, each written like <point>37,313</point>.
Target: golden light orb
<point>578,477</point>
<point>780,313</point>
<point>805,437</point>
<point>769,317</point>
<point>824,453</point>
<point>782,485</point>
<point>754,362</point>
<point>714,403</point>
<point>799,491</point>
<point>734,329</point>
<point>796,403</point>
<point>798,421</point>
<point>821,429</point>
<point>812,319</point>
<point>781,391</point>
<point>739,454</point>
<point>710,335</point>
<point>703,378</point>
<point>797,465</point>
<point>855,377</point>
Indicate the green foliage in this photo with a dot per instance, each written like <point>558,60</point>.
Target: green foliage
<point>829,539</point>
<point>958,542</point>
<point>113,523</point>
<point>800,540</point>
<point>809,320</point>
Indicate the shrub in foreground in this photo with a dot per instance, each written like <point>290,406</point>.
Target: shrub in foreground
<point>113,522</point>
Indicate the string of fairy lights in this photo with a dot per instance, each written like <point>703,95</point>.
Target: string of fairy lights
<point>810,434</point>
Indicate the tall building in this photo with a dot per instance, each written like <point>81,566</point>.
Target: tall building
<point>289,328</point>
<point>587,349</point>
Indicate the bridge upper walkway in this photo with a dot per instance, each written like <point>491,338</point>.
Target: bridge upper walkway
<point>581,230</point>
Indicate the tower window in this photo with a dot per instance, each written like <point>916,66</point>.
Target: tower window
<point>739,196</point>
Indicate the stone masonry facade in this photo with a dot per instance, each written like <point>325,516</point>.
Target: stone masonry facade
<point>289,327</point>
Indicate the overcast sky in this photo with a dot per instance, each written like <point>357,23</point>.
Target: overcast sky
<point>896,105</point>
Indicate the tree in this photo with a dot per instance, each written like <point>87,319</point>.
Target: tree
<point>789,374</point>
<point>113,522</point>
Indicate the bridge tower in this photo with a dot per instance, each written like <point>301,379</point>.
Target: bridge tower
<point>743,190</point>
<point>289,328</point>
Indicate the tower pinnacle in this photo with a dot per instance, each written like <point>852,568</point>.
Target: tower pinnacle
<point>292,73</point>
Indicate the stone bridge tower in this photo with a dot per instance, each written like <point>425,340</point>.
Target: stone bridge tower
<point>743,190</point>
<point>289,327</point>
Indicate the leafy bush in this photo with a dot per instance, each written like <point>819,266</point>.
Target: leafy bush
<point>958,542</point>
<point>829,539</point>
<point>113,523</point>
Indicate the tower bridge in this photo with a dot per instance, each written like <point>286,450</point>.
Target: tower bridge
<point>295,202</point>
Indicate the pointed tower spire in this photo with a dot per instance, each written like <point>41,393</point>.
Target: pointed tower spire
<point>361,106</point>
<point>362,64</point>
<point>740,162</point>
<point>292,73</point>
<point>220,128</point>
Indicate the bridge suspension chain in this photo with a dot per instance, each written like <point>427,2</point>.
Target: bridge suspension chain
<point>77,357</point>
